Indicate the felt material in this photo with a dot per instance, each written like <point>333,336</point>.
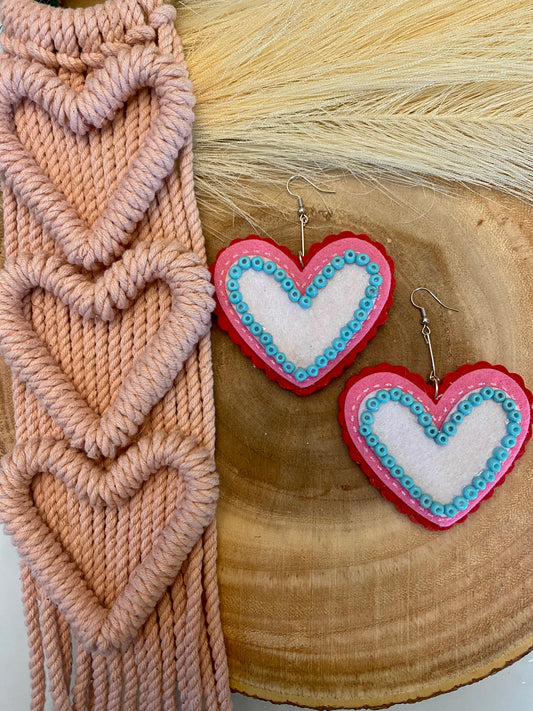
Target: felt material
<point>456,474</point>
<point>319,320</point>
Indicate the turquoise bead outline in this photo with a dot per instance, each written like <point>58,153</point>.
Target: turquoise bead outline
<point>339,342</point>
<point>470,491</point>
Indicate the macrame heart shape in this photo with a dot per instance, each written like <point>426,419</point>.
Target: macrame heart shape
<point>436,461</point>
<point>98,628</point>
<point>104,93</point>
<point>153,371</point>
<point>302,326</point>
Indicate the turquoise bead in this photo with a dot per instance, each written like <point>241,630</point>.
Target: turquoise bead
<point>457,418</point>
<point>244,263</point>
<point>300,374</point>
<point>500,453</point>
<point>266,338</point>
<point>508,404</point>
<point>294,295</point>
<point>321,361</point>
<point>383,395</point>
<point>257,264</point>
<point>320,281</point>
<point>362,259</point>
<point>287,284</point>
<point>235,271</point>
<point>494,465</point>
<point>514,416</point>
<point>312,370</point>
<point>431,431</point>
<point>514,429</point>
<point>288,366</point>
<point>365,430</point>
<point>311,291</point>
<point>242,307</point>
<point>371,292</point>
<point>330,353</point>
<point>349,256</point>
<point>372,440</point>
<point>366,304</point>
<point>425,419</point>
<point>355,325</point>
<point>247,319</point>
<point>280,357</point>
<point>470,493</point>
<point>305,301</point>
<point>280,274</point>
<point>406,482</point>
<point>416,492</point>
<point>337,262</point>
<point>441,438</point>
<point>346,333</point>
<point>339,344</point>
<point>367,417</point>
<point>397,471</point>
<point>465,407</point>
<point>388,461</point>
<point>488,476</point>
<point>256,329</point>
<point>234,297</point>
<point>372,404</point>
<point>437,509</point>
<point>395,394</point>
<point>425,501</point>
<point>449,428</point>
<point>407,399</point>
<point>487,393</point>
<point>499,396</point>
<point>450,510</point>
<point>475,399</point>
<point>479,483</point>
<point>509,441</point>
<point>372,268</point>
<point>381,450</point>
<point>417,408</point>
<point>328,271</point>
<point>232,285</point>
<point>360,315</point>
<point>376,280</point>
<point>271,349</point>
<point>460,502</point>
<point>270,267</point>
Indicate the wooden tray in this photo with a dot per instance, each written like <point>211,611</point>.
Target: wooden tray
<point>330,597</point>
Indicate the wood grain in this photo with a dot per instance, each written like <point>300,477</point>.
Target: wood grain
<point>330,597</point>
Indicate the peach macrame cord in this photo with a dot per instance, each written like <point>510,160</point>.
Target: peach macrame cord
<point>109,494</point>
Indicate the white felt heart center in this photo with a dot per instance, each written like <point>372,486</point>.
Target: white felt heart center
<point>441,470</point>
<point>304,333</point>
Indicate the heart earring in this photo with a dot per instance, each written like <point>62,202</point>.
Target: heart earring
<point>303,319</point>
<point>436,450</point>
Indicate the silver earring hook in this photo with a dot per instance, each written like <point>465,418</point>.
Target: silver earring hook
<point>302,214</point>
<point>426,333</point>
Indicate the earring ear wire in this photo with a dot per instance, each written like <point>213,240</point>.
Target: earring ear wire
<point>302,214</point>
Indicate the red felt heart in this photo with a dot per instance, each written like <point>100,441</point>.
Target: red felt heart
<point>98,628</point>
<point>105,91</point>
<point>302,326</point>
<point>436,461</point>
<point>153,371</point>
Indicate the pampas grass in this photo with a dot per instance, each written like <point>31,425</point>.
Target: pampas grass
<point>404,89</point>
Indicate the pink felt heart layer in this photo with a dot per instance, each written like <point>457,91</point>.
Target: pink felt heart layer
<point>459,468</point>
<point>301,334</point>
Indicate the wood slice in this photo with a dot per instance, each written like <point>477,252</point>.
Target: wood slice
<point>330,597</point>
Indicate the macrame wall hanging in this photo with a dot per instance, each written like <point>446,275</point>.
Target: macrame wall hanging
<point>109,494</point>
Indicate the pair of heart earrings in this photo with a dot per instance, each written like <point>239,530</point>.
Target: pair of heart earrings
<point>436,450</point>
